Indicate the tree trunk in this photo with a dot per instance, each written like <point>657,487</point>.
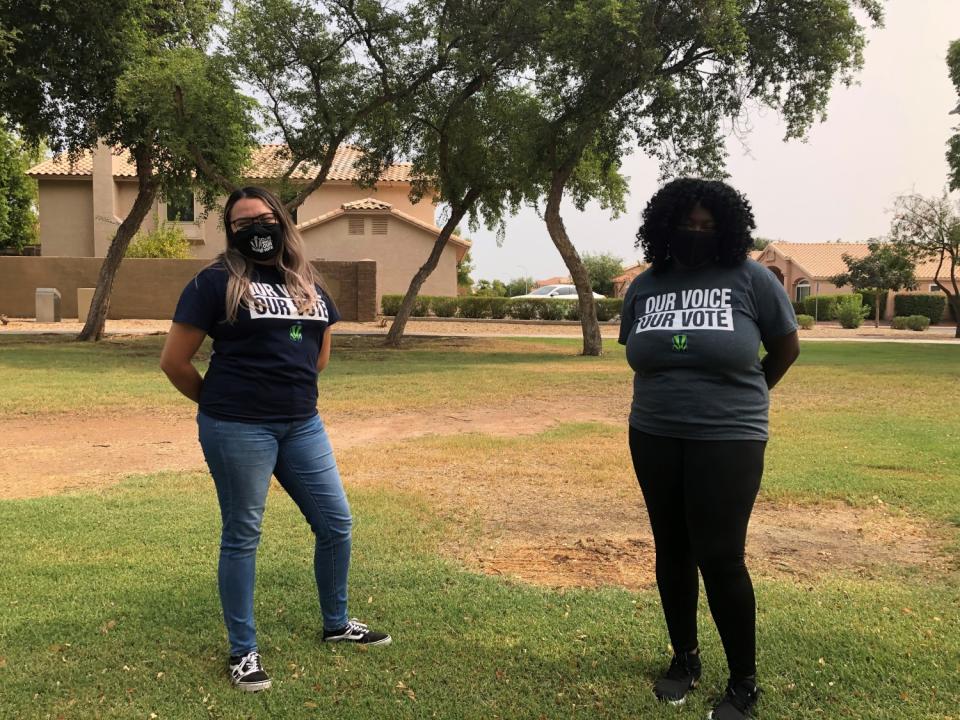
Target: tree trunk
<point>954,301</point>
<point>395,334</point>
<point>876,318</point>
<point>592,342</point>
<point>100,304</point>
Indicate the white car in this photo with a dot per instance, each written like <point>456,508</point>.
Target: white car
<point>558,292</point>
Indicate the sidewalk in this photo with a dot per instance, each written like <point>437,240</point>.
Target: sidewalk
<point>433,327</point>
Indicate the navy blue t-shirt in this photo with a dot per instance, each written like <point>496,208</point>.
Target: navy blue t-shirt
<point>264,365</point>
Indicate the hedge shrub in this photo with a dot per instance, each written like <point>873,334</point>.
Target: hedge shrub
<point>806,321</point>
<point>523,309</point>
<point>930,305</point>
<point>445,307</point>
<point>499,307</point>
<point>474,307</point>
<point>918,322</point>
<point>609,308</point>
<point>390,304</point>
<point>868,300</point>
<point>554,309</point>
<point>822,307</point>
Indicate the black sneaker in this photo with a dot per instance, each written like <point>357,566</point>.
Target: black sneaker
<point>247,674</point>
<point>356,632</point>
<point>737,703</point>
<point>681,677</point>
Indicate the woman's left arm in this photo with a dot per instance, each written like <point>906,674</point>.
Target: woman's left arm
<point>781,354</point>
<point>324,357</point>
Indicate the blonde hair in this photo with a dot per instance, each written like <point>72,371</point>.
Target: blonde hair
<point>299,275</point>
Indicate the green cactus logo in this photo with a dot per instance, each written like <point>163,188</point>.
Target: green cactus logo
<point>296,333</point>
<point>679,343</point>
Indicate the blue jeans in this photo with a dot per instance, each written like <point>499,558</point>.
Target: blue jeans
<point>241,458</point>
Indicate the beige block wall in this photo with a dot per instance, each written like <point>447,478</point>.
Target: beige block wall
<point>398,254</point>
<point>149,289</point>
<point>66,217</point>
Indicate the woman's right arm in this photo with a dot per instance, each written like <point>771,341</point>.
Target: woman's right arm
<point>181,345</point>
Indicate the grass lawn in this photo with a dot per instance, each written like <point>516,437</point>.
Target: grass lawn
<point>108,605</point>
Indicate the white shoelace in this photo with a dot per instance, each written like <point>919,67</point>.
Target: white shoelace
<point>355,626</point>
<point>249,663</point>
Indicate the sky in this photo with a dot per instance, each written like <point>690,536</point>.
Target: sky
<point>883,137</point>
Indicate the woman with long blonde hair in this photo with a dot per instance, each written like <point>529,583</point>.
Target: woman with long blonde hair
<point>265,308</point>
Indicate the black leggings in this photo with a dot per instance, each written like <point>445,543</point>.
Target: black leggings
<point>699,496</point>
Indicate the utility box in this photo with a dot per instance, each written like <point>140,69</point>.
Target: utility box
<point>84,298</point>
<point>48,305</point>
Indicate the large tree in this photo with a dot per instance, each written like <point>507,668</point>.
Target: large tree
<point>331,74</point>
<point>602,268</point>
<point>887,268</point>
<point>133,73</point>
<point>467,126</point>
<point>928,228</point>
<point>664,77</point>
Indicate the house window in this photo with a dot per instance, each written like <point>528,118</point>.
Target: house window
<point>378,226</point>
<point>180,208</point>
<point>293,215</point>
<point>934,288</point>
<point>356,226</point>
<point>803,290</point>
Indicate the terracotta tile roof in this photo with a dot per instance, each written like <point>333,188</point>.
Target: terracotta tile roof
<point>373,204</point>
<point>266,162</point>
<point>367,204</point>
<point>123,166</point>
<point>631,272</point>
<point>825,260</point>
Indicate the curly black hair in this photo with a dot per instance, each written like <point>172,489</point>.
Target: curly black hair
<point>672,204</point>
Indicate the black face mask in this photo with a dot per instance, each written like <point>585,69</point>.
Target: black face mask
<point>259,242</point>
<point>693,248</point>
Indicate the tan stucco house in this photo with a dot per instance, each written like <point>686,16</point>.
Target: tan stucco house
<point>81,204</point>
<point>807,268</point>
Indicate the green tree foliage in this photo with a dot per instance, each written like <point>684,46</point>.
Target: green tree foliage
<point>490,288</point>
<point>519,286</point>
<point>602,268</point>
<point>18,193</point>
<point>131,72</point>
<point>664,76</point>
<point>166,240</point>
<point>464,268</point>
<point>953,145</point>
<point>928,228</point>
<point>888,267</point>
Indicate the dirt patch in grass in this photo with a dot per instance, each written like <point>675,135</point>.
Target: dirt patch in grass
<point>566,513</point>
<point>64,453</point>
<point>559,509</point>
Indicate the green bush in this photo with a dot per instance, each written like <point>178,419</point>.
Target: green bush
<point>822,307</point>
<point>806,321</point>
<point>609,308</point>
<point>445,307</point>
<point>474,307</point>
<point>166,241</point>
<point>390,304</point>
<point>553,309</point>
<point>931,305</point>
<point>918,322</point>
<point>797,307</point>
<point>522,309</point>
<point>868,300</point>
<point>499,307</point>
<point>850,311</point>
<point>421,306</point>
<point>899,322</point>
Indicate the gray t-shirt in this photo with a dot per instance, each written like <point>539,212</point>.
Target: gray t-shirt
<point>693,338</point>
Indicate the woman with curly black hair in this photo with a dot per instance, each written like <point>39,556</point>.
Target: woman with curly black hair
<point>693,324</point>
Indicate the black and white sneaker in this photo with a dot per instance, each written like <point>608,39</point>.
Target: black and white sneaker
<point>356,632</point>
<point>737,703</point>
<point>247,674</point>
<point>681,677</point>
